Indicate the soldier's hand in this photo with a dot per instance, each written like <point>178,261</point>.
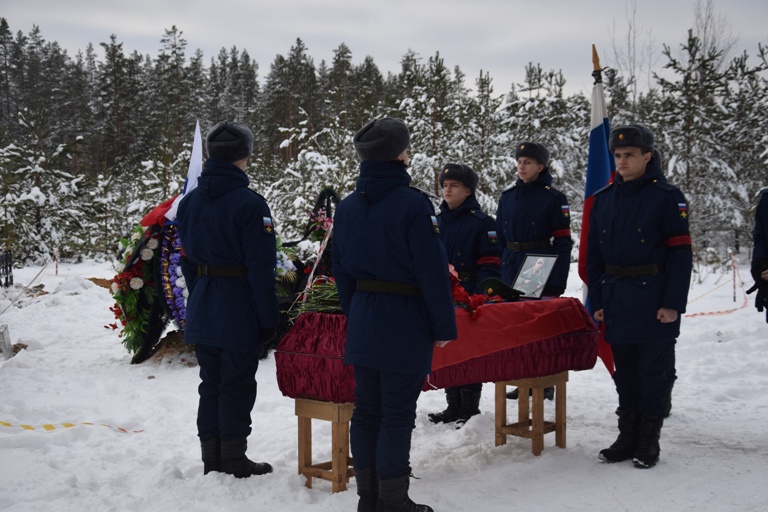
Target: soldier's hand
<point>599,315</point>
<point>666,315</point>
<point>761,300</point>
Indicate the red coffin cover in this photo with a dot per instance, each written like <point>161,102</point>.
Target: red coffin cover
<point>504,341</point>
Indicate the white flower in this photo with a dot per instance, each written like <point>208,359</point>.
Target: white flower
<point>136,283</point>
<point>284,265</point>
<point>180,282</point>
<point>147,253</point>
<point>178,271</point>
<point>135,236</point>
<point>185,293</point>
<point>153,243</point>
<point>115,288</point>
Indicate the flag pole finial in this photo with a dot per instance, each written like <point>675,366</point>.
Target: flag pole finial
<point>597,71</point>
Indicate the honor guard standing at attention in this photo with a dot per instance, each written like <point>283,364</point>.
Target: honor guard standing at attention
<point>639,264</point>
<point>760,254</point>
<point>534,218</point>
<point>392,275</point>
<point>229,265</point>
<point>472,246</point>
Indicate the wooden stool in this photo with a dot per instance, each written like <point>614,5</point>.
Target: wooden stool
<point>532,425</point>
<point>338,470</point>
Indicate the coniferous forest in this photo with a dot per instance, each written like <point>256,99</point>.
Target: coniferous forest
<point>88,145</point>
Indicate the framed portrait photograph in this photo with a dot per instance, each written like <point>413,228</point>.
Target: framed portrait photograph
<point>534,274</point>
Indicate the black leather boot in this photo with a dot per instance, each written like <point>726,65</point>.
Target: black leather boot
<point>648,433</point>
<point>451,413</point>
<point>624,446</point>
<point>668,398</point>
<point>393,496</point>
<point>367,488</point>
<point>234,462</point>
<point>211,450</point>
<point>470,404</point>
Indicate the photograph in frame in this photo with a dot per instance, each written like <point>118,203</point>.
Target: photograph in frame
<point>534,274</point>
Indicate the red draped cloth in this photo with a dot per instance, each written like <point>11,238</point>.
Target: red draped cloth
<point>508,340</point>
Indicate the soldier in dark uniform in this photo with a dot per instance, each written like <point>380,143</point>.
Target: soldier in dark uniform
<point>470,240</point>
<point>639,265</point>
<point>533,217</point>
<point>229,265</point>
<point>760,254</point>
<point>392,275</point>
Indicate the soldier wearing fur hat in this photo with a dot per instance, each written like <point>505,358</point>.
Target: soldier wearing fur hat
<point>392,275</point>
<point>639,265</point>
<point>229,241</point>
<point>533,217</point>
<point>470,240</point>
<point>759,268</point>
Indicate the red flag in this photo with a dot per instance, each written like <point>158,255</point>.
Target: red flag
<point>600,171</point>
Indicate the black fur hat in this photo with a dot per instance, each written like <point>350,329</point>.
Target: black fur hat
<point>382,139</point>
<point>538,152</point>
<point>632,136</point>
<point>229,141</point>
<point>459,172</point>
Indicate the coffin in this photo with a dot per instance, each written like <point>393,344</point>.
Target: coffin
<point>503,341</point>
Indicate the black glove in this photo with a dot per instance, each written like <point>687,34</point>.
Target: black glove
<point>761,299</point>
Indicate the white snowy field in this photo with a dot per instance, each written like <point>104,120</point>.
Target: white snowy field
<point>714,446</point>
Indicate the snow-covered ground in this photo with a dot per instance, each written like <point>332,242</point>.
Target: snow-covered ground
<point>714,446</point>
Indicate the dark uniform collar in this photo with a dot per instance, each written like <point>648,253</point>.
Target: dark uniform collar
<point>468,205</point>
<point>544,180</point>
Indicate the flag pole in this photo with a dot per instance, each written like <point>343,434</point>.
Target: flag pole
<point>600,167</point>
<point>597,70</point>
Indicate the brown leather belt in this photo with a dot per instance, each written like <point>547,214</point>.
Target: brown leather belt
<point>365,285</point>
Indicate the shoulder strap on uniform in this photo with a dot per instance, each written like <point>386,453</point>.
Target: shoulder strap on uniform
<point>553,191</point>
<point>261,196</point>
<point>479,214</point>
<point>511,187</point>
<point>604,188</point>
<point>429,195</point>
<point>664,185</point>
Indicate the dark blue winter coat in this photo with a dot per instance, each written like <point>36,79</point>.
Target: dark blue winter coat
<point>760,233</point>
<point>634,224</point>
<point>387,231</point>
<point>535,212</point>
<point>760,253</point>
<point>471,242</point>
<point>223,223</point>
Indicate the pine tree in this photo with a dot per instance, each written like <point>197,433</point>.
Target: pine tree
<point>689,140</point>
<point>48,202</point>
<point>369,93</point>
<point>482,137</point>
<point>746,101</point>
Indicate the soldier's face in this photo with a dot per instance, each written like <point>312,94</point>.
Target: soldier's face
<point>631,162</point>
<point>455,193</point>
<point>528,169</point>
